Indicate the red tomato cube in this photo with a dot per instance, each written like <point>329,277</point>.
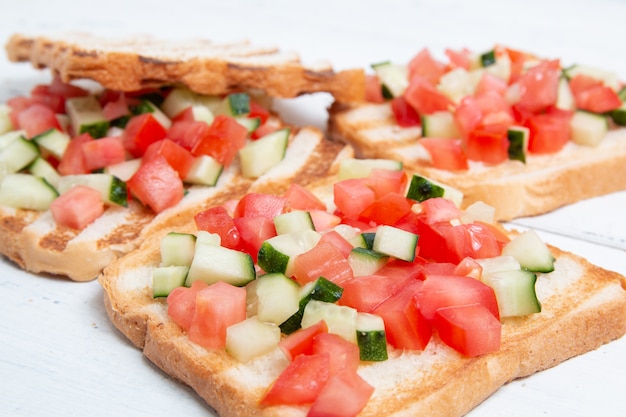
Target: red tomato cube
<point>222,140</point>
<point>324,260</point>
<point>344,395</point>
<point>178,157</point>
<point>351,196</point>
<point>156,184</point>
<point>141,131</point>
<point>77,207</point>
<point>73,160</point>
<point>37,119</point>
<point>217,220</point>
<point>103,152</point>
<point>181,303</point>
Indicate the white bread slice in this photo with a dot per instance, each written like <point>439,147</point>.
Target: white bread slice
<point>35,242</point>
<point>543,184</point>
<point>130,64</point>
<point>584,307</point>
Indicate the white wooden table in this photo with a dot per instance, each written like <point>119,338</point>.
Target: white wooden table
<point>59,354</point>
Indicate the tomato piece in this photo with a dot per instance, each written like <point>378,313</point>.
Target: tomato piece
<point>103,152</point>
<point>468,267</point>
<point>156,184</point>
<point>598,99</point>
<point>488,144</point>
<point>181,303</point>
<point>300,198</point>
<point>253,231</point>
<point>41,94</point>
<point>178,157</point>
<point>425,98</point>
<point>470,329</point>
<point>66,90</point>
<point>73,159</point>
<point>344,395</point>
<point>17,105</point>
<point>300,383</point>
<point>115,109</point>
<point>446,154</point>
<point>217,220</point>
<point>37,119</point>
<point>256,110</point>
<point>365,293</point>
<point>342,353</point>
<point>490,82</point>
<point>539,86</point>
<point>352,195</point>
<point>217,306</point>
<point>549,132</point>
<point>324,260</point>
<point>459,59</point>
<point>385,181</point>
<point>222,140</point>
<point>373,89</point>
<point>426,66</point>
<point>404,114</point>
<point>467,116</point>
<point>323,220</point>
<point>300,342</point>
<point>179,132</point>
<point>518,58</point>
<point>77,207</point>
<point>435,210</point>
<point>271,125</point>
<point>260,205</point>
<point>140,132</point>
<point>335,239</point>
<point>387,210</point>
<point>582,82</point>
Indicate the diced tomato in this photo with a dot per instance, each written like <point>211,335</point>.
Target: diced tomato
<point>404,114</point>
<point>367,292</point>
<point>335,239</point>
<point>37,119</point>
<point>179,132</point>
<point>253,231</point>
<point>490,82</point>
<point>424,65</point>
<point>539,86</point>
<point>73,160</point>
<point>435,210</point>
<point>217,220</point>
<point>42,95</point>
<point>468,267</point>
<point>300,198</point>
<point>178,157</point>
<point>222,140</point>
<point>467,116</point>
<point>301,382</point>
<point>17,105</point>
<point>217,306</point>
<point>387,210</point>
<point>459,59</point>
<point>518,59</point>
<point>385,181</point>
<point>582,82</point>
<point>549,132</point>
<point>260,205</point>
<point>440,291</point>
<point>256,110</point>
<point>66,90</point>
<point>351,196</point>
<point>184,116</point>
<point>446,154</point>
<point>373,89</point>
<point>324,260</point>
<point>103,152</point>
<point>344,395</point>
<point>156,184</point>
<point>271,125</point>
<point>181,303</point>
<point>470,329</point>
<point>300,342</point>
<point>599,99</point>
<point>323,220</point>
<point>342,353</point>
<point>77,207</point>
<point>140,132</point>
<point>488,144</point>
<point>437,268</point>
<point>115,109</point>
<point>425,98</point>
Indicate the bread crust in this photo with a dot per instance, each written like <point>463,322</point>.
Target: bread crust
<point>544,183</point>
<point>201,65</point>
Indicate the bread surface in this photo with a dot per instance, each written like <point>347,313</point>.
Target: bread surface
<point>206,67</point>
<point>514,189</point>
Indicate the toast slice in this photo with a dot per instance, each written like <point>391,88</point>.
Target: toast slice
<point>584,307</point>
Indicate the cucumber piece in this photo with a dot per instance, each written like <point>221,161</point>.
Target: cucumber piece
<point>395,242</point>
<point>149,107</point>
<point>518,143</point>
<point>17,155</point>
<point>177,249</point>
<point>205,238</point>
<point>371,337</point>
<point>488,58</point>
<point>273,298</point>
<point>341,320</point>
<point>394,78</point>
<point>8,137</point>
<point>368,238</point>
<point>498,264</point>
<point>250,123</point>
<point>440,124</point>
<point>26,191</point>
<point>212,263</point>
<point>352,235</point>
<point>205,170</point>
<point>565,98</point>
<point>362,168</point>
<point>112,189</point>
<point>236,104</point>
<point>588,129</point>
<point>166,278</point>
<point>261,155</point>
<point>515,292</point>
<point>321,290</point>
<point>608,78</point>
<point>5,121</point>
<point>54,141</point>
<point>250,338</point>
<point>86,116</point>
<point>619,115</point>
<point>180,99</point>
<point>422,188</point>
<point>531,252</point>
<point>277,253</point>
<point>293,221</point>
<point>124,170</point>
<point>366,261</point>
<point>42,168</point>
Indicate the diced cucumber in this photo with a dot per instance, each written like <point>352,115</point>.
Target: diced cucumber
<point>395,242</point>
<point>17,155</point>
<point>293,221</point>
<point>180,99</point>
<point>112,189</point>
<point>250,338</point>
<point>368,237</point>
<point>53,141</point>
<point>341,320</point>
<point>42,168</point>
<point>422,188</point>
<point>458,83</point>
<point>206,238</point>
<point>440,124</point>
<point>5,121</point>
<point>619,115</point>
<point>518,143</point>
<point>213,263</point>
<point>8,137</point>
<point>277,253</point>
<point>487,58</point>
<point>588,129</point>
<point>394,78</point>
<point>366,261</point>
<point>250,123</point>
<point>515,292</point>
<point>273,298</point>
<point>608,78</point>
<point>321,290</point>
<point>166,278</point>
<point>531,252</point>
<point>124,170</point>
<point>177,249</point>
<point>261,155</point>
<point>362,168</point>
<point>352,235</point>
<point>498,264</point>
<point>371,337</point>
<point>157,113</point>
<point>205,170</point>
<point>26,191</point>
<point>86,116</point>
<point>565,98</point>
<point>236,104</point>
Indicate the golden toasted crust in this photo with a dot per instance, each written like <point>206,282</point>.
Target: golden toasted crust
<point>515,189</point>
<point>203,66</point>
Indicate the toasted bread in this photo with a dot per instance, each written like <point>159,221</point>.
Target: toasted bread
<point>584,307</point>
<point>514,189</point>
